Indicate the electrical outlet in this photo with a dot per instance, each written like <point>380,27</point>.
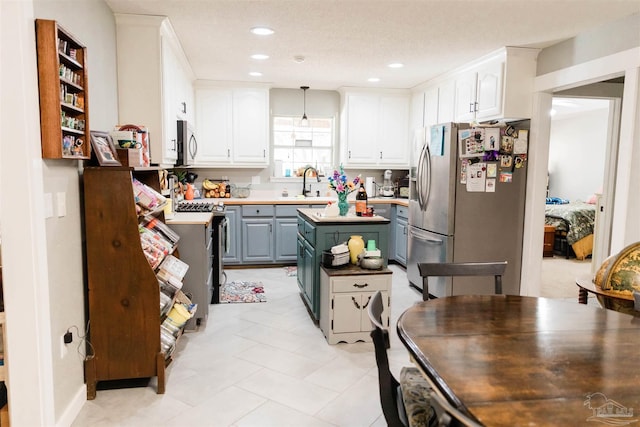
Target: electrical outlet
<point>63,348</point>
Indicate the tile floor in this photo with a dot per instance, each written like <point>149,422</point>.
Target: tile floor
<point>263,364</point>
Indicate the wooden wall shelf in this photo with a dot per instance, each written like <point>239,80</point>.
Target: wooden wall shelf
<point>64,98</point>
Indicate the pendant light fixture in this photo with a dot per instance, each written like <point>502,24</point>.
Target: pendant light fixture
<point>304,121</point>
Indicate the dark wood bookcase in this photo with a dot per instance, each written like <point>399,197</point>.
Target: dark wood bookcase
<point>123,290</point>
<point>64,98</point>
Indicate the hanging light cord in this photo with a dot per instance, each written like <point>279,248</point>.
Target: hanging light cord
<point>304,97</point>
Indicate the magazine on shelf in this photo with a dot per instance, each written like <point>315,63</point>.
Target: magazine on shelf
<point>157,226</point>
<point>172,271</point>
<point>148,198</point>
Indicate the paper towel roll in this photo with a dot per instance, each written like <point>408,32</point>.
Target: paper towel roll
<point>369,186</point>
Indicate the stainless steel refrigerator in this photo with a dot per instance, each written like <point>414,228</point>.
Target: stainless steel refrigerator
<point>451,219</point>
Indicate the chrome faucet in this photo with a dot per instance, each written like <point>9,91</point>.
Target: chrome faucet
<point>304,179</point>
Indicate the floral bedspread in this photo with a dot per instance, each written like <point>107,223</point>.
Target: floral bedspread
<point>575,218</point>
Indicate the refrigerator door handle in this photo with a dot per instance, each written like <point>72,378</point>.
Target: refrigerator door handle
<point>427,178</point>
<point>419,179</point>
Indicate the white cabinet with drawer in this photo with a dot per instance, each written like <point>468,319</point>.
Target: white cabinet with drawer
<point>345,294</point>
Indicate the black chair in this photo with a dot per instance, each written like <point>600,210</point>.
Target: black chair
<point>448,416</point>
<point>449,269</point>
<point>405,402</point>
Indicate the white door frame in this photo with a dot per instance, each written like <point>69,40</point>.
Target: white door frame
<point>625,228</point>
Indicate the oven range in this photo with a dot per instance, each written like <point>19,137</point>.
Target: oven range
<point>200,205</point>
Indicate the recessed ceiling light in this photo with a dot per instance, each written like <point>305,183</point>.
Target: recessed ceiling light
<point>396,65</point>
<point>255,74</point>
<point>260,56</point>
<point>298,59</point>
<point>373,79</point>
<point>262,31</point>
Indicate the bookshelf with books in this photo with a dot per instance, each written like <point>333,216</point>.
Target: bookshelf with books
<point>137,310</point>
<point>62,86</point>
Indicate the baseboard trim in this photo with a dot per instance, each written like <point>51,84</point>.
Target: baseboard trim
<point>73,409</point>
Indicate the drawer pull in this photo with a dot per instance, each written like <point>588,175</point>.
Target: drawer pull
<point>355,303</point>
<point>360,286</point>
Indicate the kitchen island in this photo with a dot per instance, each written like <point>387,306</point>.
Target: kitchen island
<point>317,233</point>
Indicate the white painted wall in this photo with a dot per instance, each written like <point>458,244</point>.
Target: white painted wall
<point>575,73</point>
<point>43,258</point>
<point>577,154</point>
<point>64,235</point>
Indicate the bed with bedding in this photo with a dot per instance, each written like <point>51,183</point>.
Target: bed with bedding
<point>573,224</point>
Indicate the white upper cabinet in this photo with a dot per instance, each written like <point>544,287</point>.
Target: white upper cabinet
<point>446,102</point>
<point>430,116</point>
<point>155,81</point>
<point>232,126</point>
<point>496,87</point>
<point>214,126</point>
<point>478,93</point>
<point>417,110</point>
<point>375,129</point>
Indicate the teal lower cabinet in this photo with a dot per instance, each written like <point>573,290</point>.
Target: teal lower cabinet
<point>233,236</point>
<point>317,234</point>
<point>286,230</point>
<point>400,235</point>
<point>257,234</point>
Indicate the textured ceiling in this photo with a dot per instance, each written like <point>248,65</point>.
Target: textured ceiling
<point>345,42</point>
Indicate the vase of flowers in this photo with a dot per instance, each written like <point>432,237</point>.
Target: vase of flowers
<point>339,183</point>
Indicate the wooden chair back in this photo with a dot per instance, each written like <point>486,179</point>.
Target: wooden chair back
<point>450,269</point>
<point>387,384</point>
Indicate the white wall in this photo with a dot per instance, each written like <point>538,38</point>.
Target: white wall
<point>612,37</point>
<point>577,154</point>
<point>573,64</point>
<point>42,261</point>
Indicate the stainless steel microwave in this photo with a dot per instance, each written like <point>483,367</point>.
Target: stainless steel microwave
<point>187,144</point>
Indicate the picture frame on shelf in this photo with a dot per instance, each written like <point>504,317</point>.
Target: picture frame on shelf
<point>104,148</point>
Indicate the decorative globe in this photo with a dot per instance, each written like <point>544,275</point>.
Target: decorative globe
<point>620,273</point>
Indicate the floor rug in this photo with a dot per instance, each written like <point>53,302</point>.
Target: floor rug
<point>239,291</point>
<point>291,271</point>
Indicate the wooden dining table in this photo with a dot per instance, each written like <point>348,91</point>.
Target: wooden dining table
<point>523,361</point>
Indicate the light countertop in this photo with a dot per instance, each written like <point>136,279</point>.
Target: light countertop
<point>317,216</point>
<point>189,218</point>
<point>275,200</point>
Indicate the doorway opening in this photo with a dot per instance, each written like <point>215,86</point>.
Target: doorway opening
<point>583,139</point>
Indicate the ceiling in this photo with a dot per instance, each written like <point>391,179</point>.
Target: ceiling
<point>345,42</point>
